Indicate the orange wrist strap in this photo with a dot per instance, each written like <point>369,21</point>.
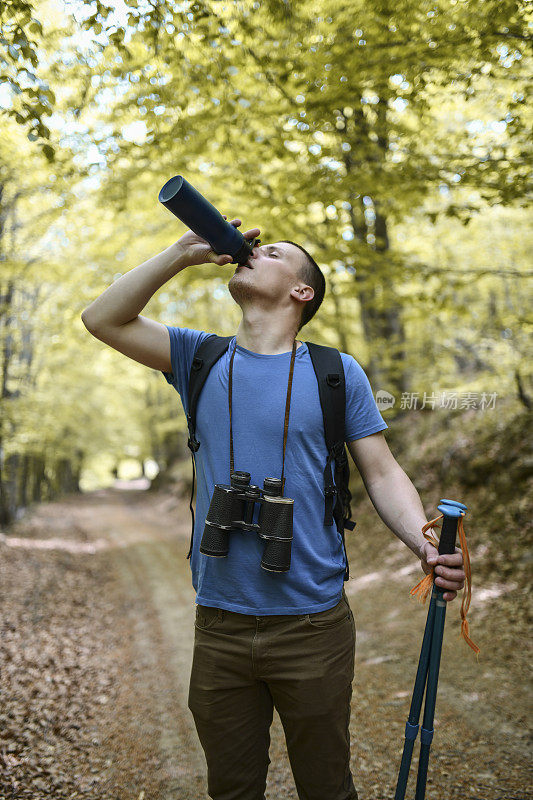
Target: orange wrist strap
<point>423,587</point>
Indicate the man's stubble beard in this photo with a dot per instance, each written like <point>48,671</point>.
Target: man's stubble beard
<point>240,290</point>
<point>248,295</point>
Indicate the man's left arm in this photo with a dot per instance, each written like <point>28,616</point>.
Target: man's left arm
<point>399,506</point>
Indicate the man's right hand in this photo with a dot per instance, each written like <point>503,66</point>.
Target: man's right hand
<point>196,250</point>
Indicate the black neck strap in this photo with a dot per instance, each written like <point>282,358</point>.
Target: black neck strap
<point>287,410</point>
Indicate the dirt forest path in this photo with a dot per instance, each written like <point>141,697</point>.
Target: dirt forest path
<point>97,629</point>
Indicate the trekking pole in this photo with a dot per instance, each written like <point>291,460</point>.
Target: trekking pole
<point>450,521</point>
<point>428,665</point>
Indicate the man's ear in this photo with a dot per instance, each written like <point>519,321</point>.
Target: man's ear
<point>303,293</point>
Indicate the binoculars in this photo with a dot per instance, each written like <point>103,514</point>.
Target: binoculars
<point>188,205</point>
<point>232,508</point>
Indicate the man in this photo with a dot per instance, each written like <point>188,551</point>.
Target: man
<point>265,639</point>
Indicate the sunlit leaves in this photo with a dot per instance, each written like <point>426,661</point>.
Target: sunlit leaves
<point>381,137</point>
<point>25,96</point>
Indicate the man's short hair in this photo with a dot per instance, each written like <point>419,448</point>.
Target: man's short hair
<point>312,275</point>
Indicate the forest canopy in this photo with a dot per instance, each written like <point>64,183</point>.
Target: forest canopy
<point>390,140</point>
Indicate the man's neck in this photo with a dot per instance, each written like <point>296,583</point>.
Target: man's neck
<point>266,340</point>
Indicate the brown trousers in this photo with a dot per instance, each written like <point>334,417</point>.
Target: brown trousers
<point>303,665</point>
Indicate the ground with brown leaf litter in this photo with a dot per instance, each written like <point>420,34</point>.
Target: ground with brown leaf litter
<point>96,646</point>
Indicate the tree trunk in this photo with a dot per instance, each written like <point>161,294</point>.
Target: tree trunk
<point>380,311</point>
<point>5,516</point>
<point>38,474</point>
<point>23,480</point>
<point>524,398</point>
<point>380,305</point>
<point>10,485</point>
<point>340,327</point>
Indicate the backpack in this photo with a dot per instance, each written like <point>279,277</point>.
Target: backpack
<point>329,371</point>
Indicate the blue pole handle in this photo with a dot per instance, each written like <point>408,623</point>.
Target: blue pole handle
<point>191,207</point>
<point>455,503</point>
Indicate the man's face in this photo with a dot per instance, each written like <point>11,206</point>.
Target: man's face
<point>272,273</point>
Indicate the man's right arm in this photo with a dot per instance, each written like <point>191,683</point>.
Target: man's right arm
<point>114,317</point>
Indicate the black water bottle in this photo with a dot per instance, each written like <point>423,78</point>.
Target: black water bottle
<point>205,220</point>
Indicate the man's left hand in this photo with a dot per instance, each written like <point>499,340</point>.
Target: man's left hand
<point>449,572</point>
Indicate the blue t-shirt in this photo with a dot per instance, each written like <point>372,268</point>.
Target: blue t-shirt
<point>237,582</point>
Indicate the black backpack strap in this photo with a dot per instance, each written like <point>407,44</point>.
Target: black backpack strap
<point>205,355</point>
<point>329,370</point>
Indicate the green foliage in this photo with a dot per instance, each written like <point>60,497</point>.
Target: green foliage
<point>389,140</point>
<point>32,99</point>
